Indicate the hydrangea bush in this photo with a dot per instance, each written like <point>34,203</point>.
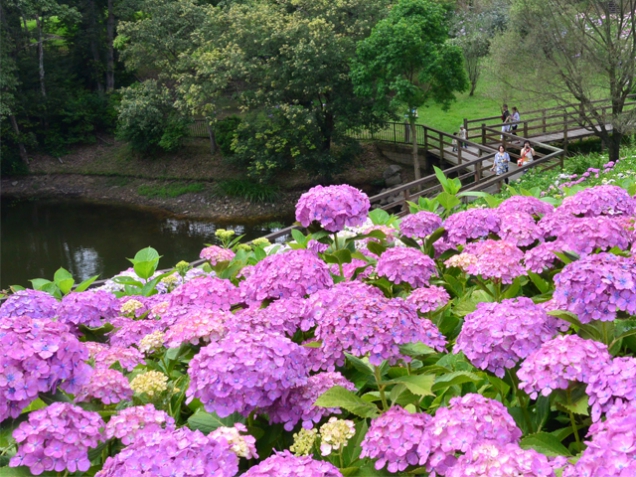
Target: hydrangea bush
<point>492,342</point>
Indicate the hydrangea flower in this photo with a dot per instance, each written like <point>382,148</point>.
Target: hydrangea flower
<point>131,307</point>
<point>333,207</point>
<point>215,254</point>
<point>89,308</point>
<point>586,234</point>
<point>282,316</point>
<point>610,451</point>
<point>613,385</point>
<point>335,434</point>
<point>37,356</point>
<point>420,225</point>
<point>57,438</point>
<point>128,332</point>
<point>429,298</point>
<point>520,229</point>
<point>599,200</point>
<point>561,360</point>
<point>169,452</point>
<point>304,441</point>
<point>288,465</point>
<point>107,385</point>
<point>298,404</point>
<point>493,259</point>
<point>496,336</point>
<point>377,326</point>
<point>152,342</point>
<point>241,443</point>
<point>206,292</point>
<point>393,438</point>
<point>127,358</point>
<point>198,325</point>
<point>127,423</point>
<point>471,224</point>
<point>597,286</point>
<point>527,204</point>
<point>348,269</point>
<point>406,265</point>
<point>317,247</point>
<point>31,303</point>
<point>292,274</point>
<point>542,257</point>
<point>509,460</point>
<point>151,383</point>
<point>467,422</point>
<point>244,372</point>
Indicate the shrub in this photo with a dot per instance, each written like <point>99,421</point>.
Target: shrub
<point>224,132</point>
<point>249,190</point>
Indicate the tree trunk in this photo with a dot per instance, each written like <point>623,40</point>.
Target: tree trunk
<point>614,146</point>
<point>110,59</point>
<point>212,138</point>
<point>38,22</point>
<point>327,132</point>
<point>16,129</point>
<point>416,157</point>
<point>97,61</point>
<point>473,85</point>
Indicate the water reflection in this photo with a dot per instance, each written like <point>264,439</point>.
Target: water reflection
<point>38,237</point>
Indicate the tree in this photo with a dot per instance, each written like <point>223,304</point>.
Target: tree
<point>408,61</point>
<point>570,51</point>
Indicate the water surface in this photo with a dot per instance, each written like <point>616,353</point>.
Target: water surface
<point>38,237</point>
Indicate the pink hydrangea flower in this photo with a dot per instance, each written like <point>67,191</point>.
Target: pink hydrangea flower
<point>524,204</point>
<point>282,316</point>
<point>288,465</point>
<point>89,308</point>
<point>127,423</point>
<point>429,298</point>
<point>206,292</point>
<point>471,224</point>
<point>613,385</point>
<point>559,361</point>
<point>31,303</point>
<point>107,385</point>
<point>420,225</point>
<point>599,200</point>
<point>334,207</point>
<point>584,235</point>
<point>128,332</point>
<point>406,265</point>
<point>127,357</point>
<point>519,228</point>
<point>215,254</point>
<point>494,259</point>
<point>542,257</point>
<point>199,325</point>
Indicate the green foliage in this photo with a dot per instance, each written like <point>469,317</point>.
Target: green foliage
<point>170,190</point>
<point>148,119</point>
<point>249,190</point>
<point>224,132</point>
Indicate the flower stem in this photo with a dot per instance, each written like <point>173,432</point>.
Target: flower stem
<point>573,420</point>
<point>378,379</point>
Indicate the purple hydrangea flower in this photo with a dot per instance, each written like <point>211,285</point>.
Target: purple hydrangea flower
<point>282,316</point>
<point>127,423</point>
<point>599,200</point>
<point>57,438</point>
<point>89,308</point>
<point>406,265</point>
<point>467,422</point>
<point>334,207</point>
<point>298,404</point>
<point>586,234</point>
<point>206,292</point>
<point>471,224</point>
<point>32,303</point>
<point>610,451</point>
<point>493,460</point>
<point>37,356</point>
<point>107,385</point>
<point>497,336</point>
<point>393,439</point>
<point>520,229</point>
<point>291,274</point>
<point>105,356</point>
<point>542,257</point>
<point>597,286</point>
<point>288,465</point>
<point>199,325</point>
<point>420,225</point>
<point>363,324</point>
<point>215,254</point>
<point>559,361</point>
<point>613,385</point>
<point>527,204</point>
<point>493,259</point>
<point>317,247</point>
<point>128,332</point>
<point>169,452</point>
<point>429,298</point>
<point>244,372</point>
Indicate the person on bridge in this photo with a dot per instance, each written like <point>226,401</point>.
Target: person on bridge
<point>515,118</point>
<point>500,165</point>
<point>526,156</point>
<point>463,134</point>
<point>505,119</point>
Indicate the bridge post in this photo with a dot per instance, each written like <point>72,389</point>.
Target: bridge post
<point>544,127</point>
<point>565,134</point>
<point>459,152</point>
<point>441,146</point>
<point>525,129</point>
<point>483,136</point>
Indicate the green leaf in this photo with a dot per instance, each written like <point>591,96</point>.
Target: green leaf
<point>65,286</point>
<point>379,216</point>
<point>206,422</point>
<point>298,236</point>
<point>545,443</point>
<point>420,384</point>
<point>145,269</point>
<point>542,285</point>
<point>441,177</point>
<point>514,288</point>
<point>376,248</point>
<point>22,472</point>
<point>340,397</point>
<point>455,378</point>
<point>359,364</point>
<point>454,284</point>
<point>464,306</point>
<point>39,283</point>
<point>589,330</point>
<point>416,349</point>
<point>147,254</point>
<point>448,201</point>
<point>579,407</point>
<point>343,256</point>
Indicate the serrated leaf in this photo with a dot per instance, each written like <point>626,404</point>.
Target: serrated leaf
<point>579,407</point>
<point>545,443</point>
<point>145,269</point>
<point>298,236</point>
<point>455,378</point>
<point>343,256</point>
<point>448,201</point>
<point>61,274</point>
<point>464,306</point>
<point>379,216</point>
<point>542,285</point>
<point>206,422</point>
<point>420,384</point>
<point>39,283</point>
<point>342,398</point>
<point>359,364</point>
<point>416,349</point>
<point>589,330</point>
<point>376,248</point>
<point>65,285</point>
<point>147,254</point>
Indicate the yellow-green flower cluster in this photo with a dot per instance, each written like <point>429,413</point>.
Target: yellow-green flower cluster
<point>151,342</point>
<point>261,242</point>
<point>334,434</point>
<point>182,267</point>
<point>244,246</point>
<point>130,307</point>
<point>223,234</point>
<point>304,442</point>
<point>151,383</point>
<point>171,282</point>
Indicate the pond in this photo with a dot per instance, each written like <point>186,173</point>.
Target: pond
<point>38,237</point>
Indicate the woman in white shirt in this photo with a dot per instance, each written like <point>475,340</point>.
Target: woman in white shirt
<point>526,155</point>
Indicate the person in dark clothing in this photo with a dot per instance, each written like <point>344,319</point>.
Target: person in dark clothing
<point>505,116</point>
